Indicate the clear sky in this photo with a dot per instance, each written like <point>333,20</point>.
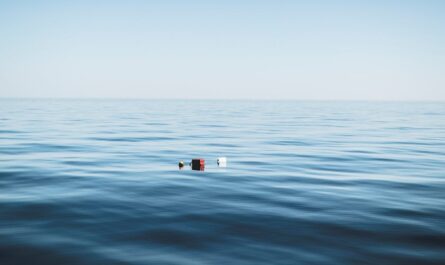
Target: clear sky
<point>322,50</point>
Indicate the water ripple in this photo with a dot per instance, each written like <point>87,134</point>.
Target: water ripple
<point>96,182</point>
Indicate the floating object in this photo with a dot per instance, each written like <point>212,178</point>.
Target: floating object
<point>221,161</point>
<point>198,164</point>
<point>181,164</point>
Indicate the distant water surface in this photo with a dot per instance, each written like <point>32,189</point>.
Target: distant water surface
<point>96,182</point>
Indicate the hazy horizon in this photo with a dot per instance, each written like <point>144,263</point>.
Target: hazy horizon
<point>226,99</point>
<point>247,50</point>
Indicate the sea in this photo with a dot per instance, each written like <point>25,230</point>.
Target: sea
<point>96,181</point>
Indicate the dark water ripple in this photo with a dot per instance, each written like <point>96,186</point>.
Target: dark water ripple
<point>95,182</point>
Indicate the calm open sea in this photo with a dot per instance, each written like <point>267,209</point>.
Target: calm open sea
<point>97,182</point>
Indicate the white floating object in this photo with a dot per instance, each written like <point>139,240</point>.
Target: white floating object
<point>222,162</point>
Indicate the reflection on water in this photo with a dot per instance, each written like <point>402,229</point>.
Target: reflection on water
<point>97,182</point>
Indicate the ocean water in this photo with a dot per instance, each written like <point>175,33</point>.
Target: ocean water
<point>97,182</point>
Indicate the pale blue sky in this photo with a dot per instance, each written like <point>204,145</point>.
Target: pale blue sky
<point>365,50</point>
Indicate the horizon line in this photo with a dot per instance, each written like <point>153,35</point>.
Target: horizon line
<point>224,99</point>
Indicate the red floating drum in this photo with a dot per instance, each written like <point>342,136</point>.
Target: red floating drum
<point>198,164</point>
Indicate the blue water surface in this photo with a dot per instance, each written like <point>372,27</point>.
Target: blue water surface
<point>97,182</point>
